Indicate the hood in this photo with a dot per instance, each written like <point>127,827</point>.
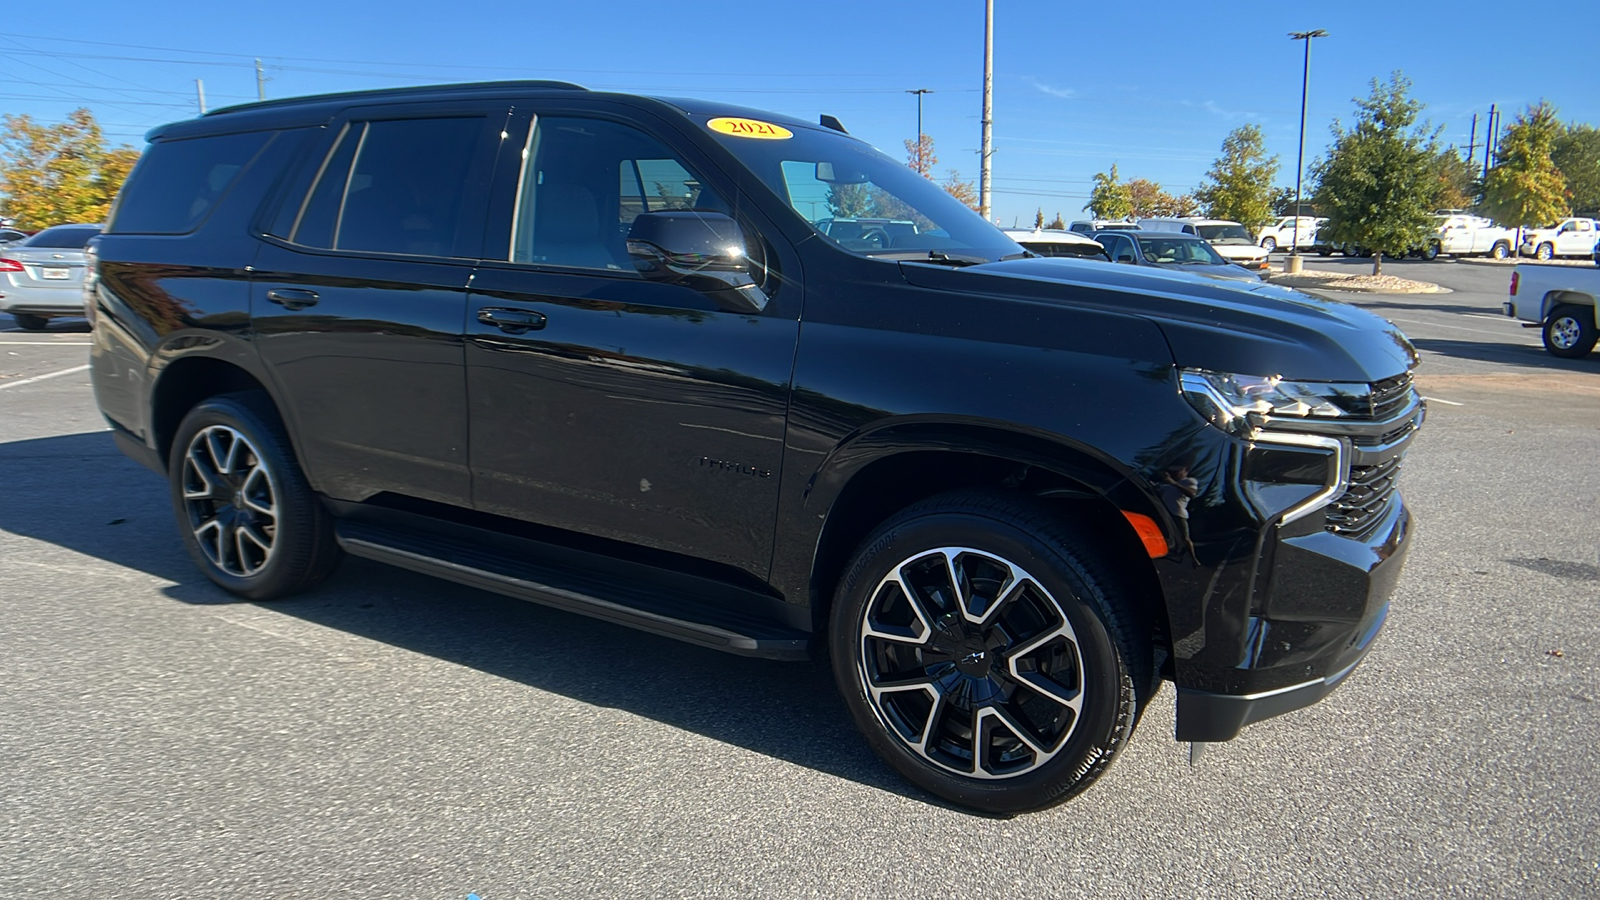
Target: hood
<point>1243,327</point>
<point>1228,270</point>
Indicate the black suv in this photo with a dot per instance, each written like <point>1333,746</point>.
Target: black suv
<point>595,351</point>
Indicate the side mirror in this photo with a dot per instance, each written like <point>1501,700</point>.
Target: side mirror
<point>704,251</point>
<point>1124,257</point>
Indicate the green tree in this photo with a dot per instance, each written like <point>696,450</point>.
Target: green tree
<point>52,174</point>
<point>1239,185</point>
<point>1524,188</point>
<point>1057,223</point>
<point>1457,186</point>
<point>1577,155</point>
<point>1186,205</point>
<point>1109,199</point>
<point>1147,198</point>
<point>1377,185</point>
<point>850,201</point>
<point>1038,219</point>
<point>1282,201</point>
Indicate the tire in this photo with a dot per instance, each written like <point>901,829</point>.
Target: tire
<point>29,322</point>
<point>1501,250</point>
<point>1544,251</point>
<point>962,720</point>
<point>1569,331</point>
<point>244,509</point>
<point>1324,251</point>
<point>1350,250</point>
<point>1430,252</point>
<point>1268,244</point>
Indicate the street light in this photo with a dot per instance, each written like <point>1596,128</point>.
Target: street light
<point>1299,159</point>
<point>922,161</point>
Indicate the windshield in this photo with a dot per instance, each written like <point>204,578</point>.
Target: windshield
<point>864,201</point>
<point>1176,251</point>
<point>69,237</point>
<point>1226,234</point>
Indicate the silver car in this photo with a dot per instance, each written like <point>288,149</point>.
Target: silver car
<point>41,278</point>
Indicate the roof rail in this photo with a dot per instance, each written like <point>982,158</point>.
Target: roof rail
<point>382,93</point>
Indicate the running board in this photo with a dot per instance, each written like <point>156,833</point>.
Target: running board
<point>660,609</point>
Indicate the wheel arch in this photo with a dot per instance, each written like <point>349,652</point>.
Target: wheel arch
<point>1553,299</point>
<point>188,381</point>
<point>873,476</point>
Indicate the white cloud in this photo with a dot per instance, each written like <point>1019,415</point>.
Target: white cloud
<point>1063,93</point>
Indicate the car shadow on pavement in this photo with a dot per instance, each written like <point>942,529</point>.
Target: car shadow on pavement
<point>1514,354</point>
<point>789,711</point>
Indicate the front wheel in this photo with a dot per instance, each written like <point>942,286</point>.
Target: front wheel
<point>245,511</point>
<point>1500,250</point>
<point>986,651</point>
<point>1544,251</point>
<point>1569,331</point>
<point>1268,244</point>
<point>1324,251</point>
<point>1430,252</point>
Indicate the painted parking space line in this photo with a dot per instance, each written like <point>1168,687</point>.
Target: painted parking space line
<point>72,371</point>
<point>1442,325</point>
<point>1495,318</point>
<point>48,343</point>
<point>1445,402</point>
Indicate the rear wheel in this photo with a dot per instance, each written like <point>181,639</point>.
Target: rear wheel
<point>31,322</point>
<point>986,650</point>
<point>1569,331</point>
<point>245,511</point>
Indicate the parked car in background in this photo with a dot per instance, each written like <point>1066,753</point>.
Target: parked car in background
<point>1086,226</point>
<point>1280,235</point>
<point>1561,301</point>
<point>1569,237</point>
<point>1171,250</point>
<point>1465,235</point>
<point>11,236</point>
<point>41,278</point>
<point>1055,242</point>
<point>1230,239</point>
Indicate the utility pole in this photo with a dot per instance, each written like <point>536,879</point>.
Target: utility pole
<point>1472,142</point>
<point>200,91</point>
<point>988,108</point>
<point>261,82</point>
<point>922,157</point>
<point>1488,142</point>
<point>1299,159</point>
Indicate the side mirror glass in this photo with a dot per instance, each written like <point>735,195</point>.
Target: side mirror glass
<point>704,251</point>
<point>1124,257</point>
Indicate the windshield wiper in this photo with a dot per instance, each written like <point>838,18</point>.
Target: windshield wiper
<point>936,257</point>
<point>1026,254</point>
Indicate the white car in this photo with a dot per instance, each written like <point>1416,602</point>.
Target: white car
<point>1571,237</point>
<point>1055,242</point>
<point>1280,234</point>
<point>1230,239</point>
<point>1084,226</point>
<point>1464,235</point>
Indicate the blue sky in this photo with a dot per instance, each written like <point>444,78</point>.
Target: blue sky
<point>1153,86</point>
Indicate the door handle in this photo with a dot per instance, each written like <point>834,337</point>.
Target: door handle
<point>292,298</point>
<point>511,321</point>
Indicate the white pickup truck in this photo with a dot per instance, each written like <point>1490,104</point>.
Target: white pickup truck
<point>1561,301</point>
<point>1570,237</point>
<point>1461,235</point>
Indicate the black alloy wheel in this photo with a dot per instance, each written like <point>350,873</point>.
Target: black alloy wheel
<point>29,322</point>
<point>1569,331</point>
<point>986,650</point>
<point>245,512</point>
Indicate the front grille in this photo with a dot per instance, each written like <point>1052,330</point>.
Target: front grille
<point>1391,395</point>
<point>1362,506</point>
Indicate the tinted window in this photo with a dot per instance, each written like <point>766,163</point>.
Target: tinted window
<point>177,183</point>
<point>585,182</point>
<point>70,237</point>
<point>393,187</point>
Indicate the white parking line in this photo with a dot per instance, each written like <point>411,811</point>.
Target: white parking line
<point>1442,325</point>
<point>1495,318</point>
<point>1445,402</point>
<point>72,371</point>
<point>49,343</point>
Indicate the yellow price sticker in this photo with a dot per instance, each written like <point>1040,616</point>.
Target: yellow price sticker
<point>750,128</point>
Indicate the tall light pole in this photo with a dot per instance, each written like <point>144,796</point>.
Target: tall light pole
<point>922,158</point>
<point>1300,155</point>
<point>988,108</point>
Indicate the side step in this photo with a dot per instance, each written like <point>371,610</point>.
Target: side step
<point>664,609</point>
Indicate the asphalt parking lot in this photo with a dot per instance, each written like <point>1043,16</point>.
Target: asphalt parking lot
<point>392,736</point>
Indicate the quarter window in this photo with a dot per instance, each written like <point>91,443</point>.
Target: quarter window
<point>178,183</point>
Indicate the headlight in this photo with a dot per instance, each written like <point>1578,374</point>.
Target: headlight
<point>1240,404</point>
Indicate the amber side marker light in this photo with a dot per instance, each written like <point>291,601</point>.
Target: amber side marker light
<point>1155,543</point>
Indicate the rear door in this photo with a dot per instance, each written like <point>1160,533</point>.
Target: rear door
<point>606,404</point>
<point>359,295</point>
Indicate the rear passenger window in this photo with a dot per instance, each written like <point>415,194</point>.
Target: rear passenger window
<point>178,183</point>
<point>393,187</point>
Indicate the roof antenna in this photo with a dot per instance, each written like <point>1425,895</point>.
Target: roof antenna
<point>827,121</point>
